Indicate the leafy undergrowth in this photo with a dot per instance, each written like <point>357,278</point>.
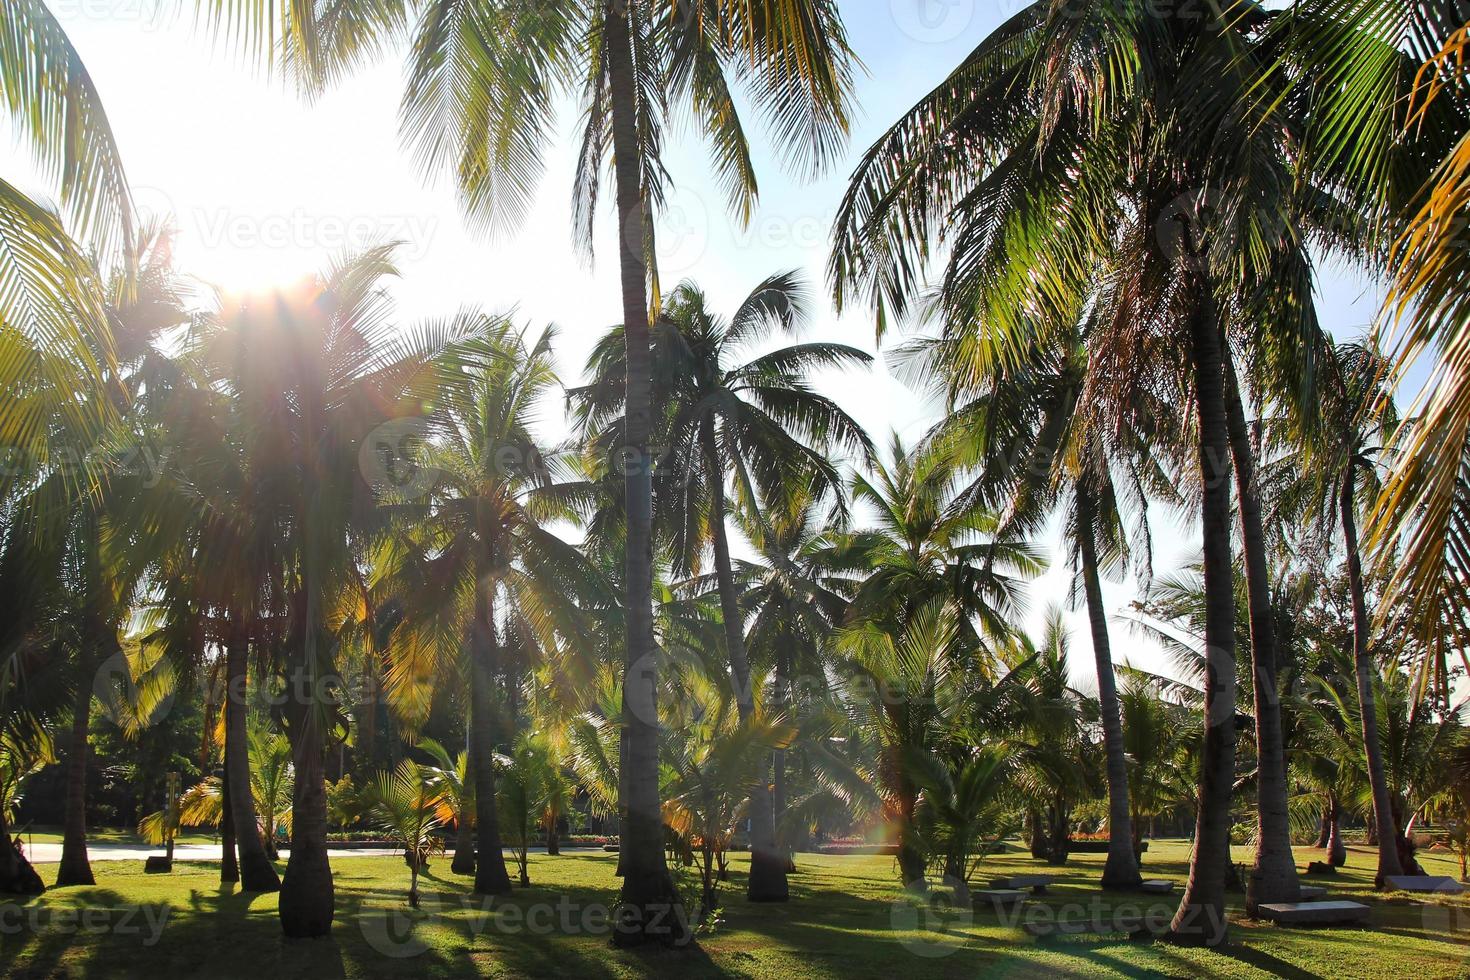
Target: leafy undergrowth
<point>846,919</point>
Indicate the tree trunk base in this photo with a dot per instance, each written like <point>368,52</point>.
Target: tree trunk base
<point>649,913</point>
<point>768,877</point>
<point>258,875</point>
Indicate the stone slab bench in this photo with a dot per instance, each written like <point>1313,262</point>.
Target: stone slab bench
<point>1313,893</point>
<point>1037,883</point>
<point>1424,884</point>
<point>1314,913</point>
<point>1157,886</point>
<point>997,898</point>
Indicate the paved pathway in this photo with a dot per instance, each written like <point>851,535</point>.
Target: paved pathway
<point>41,853</point>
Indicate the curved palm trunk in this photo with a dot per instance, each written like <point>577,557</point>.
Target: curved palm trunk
<point>491,877</point>
<point>1365,669</point>
<point>1336,847</point>
<point>1274,877</point>
<point>648,898</point>
<point>1121,869</point>
<point>308,896</point>
<point>257,874</point>
<point>767,864</point>
<point>1201,914</point>
<point>75,868</point>
<point>464,838</point>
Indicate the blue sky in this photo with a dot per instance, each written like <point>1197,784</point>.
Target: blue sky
<point>264,188</point>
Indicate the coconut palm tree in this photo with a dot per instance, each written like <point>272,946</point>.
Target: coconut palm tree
<point>313,371</point>
<point>1043,159</point>
<point>57,342</point>
<point>1024,434</point>
<point>480,102</point>
<point>929,545</point>
<point>734,421</point>
<point>475,565</point>
<point>1344,448</point>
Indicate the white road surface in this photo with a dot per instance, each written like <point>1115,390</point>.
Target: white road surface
<point>44,853</point>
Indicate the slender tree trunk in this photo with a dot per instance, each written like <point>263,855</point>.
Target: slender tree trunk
<point>229,868</point>
<point>491,877</point>
<point>648,908</point>
<point>1060,818</point>
<point>1201,914</point>
<point>1274,877</point>
<point>778,767</point>
<point>307,902</point>
<point>1324,827</point>
<point>75,868</point>
<point>1121,870</point>
<point>257,874</point>
<point>1366,671</point>
<point>17,877</point>
<point>767,881</point>
<point>464,839</point>
<point>1036,835</point>
<point>911,862</point>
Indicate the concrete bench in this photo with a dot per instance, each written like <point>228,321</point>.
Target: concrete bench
<point>1314,913</point>
<point>997,898</point>
<point>1157,886</point>
<point>1037,883</point>
<point>1313,893</point>
<point>1423,884</point>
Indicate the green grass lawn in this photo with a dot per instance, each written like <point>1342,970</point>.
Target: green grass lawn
<point>846,920</point>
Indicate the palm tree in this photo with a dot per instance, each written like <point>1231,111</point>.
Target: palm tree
<point>1389,133</point>
<point>713,761</point>
<point>1344,446</point>
<point>312,372</point>
<point>930,544</point>
<point>455,775</point>
<point>963,813</point>
<point>407,804</point>
<point>1024,431</point>
<point>794,601</point>
<point>906,689</point>
<point>57,342</point>
<point>1043,160</point>
<point>479,102</point>
<point>756,423</point>
<point>476,566</point>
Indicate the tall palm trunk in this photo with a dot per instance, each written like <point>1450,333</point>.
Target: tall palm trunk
<point>1201,914</point>
<point>648,896</point>
<point>1121,869</point>
<point>464,839</point>
<point>307,903</point>
<point>767,864</point>
<point>257,874</point>
<point>229,867</point>
<point>491,878</point>
<point>308,897</point>
<point>1366,671</point>
<point>75,868</point>
<point>779,800</point>
<point>1274,877</point>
